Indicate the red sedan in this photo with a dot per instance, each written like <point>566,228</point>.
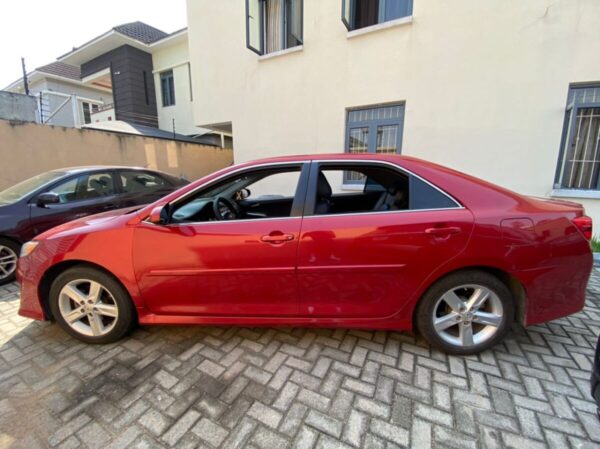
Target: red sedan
<point>378,242</point>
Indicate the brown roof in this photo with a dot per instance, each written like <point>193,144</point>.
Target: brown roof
<point>61,69</point>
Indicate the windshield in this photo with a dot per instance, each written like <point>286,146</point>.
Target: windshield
<point>21,190</point>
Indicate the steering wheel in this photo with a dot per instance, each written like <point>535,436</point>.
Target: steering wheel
<point>224,209</point>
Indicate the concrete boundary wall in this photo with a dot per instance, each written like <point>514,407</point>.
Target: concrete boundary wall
<point>18,107</point>
<point>27,149</point>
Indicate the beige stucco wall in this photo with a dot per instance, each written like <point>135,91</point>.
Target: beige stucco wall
<point>175,56</point>
<point>485,82</point>
<point>29,149</point>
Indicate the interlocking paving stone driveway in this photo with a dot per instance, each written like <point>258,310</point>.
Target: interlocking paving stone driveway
<point>190,387</point>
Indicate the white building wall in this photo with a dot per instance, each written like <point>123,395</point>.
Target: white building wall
<point>175,57</point>
<point>485,82</point>
<point>66,116</point>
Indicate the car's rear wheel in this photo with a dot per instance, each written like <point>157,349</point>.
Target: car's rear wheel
<point>91,306</point>
<point>465,312</point>
<point>9,254</point>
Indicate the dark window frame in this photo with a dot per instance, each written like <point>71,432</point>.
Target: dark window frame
<point>168,95</point>
<point>569,133</point>
<point>349,19</point>
<point>262,50</point>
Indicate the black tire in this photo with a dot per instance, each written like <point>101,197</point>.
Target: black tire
<point>425,313</point>
<point>126,318</point>
<point>15,248</point>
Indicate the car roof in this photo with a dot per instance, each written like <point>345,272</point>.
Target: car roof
<point>72,170</point>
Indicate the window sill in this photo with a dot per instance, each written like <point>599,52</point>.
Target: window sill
<point>380,26</point>
<point>575,193</point>
<point>276,54</point>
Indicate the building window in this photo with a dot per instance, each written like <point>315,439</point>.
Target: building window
<point>374,130</point>
<point>146,94</point>
<point>363,13</point>
<point>167,87</point>
<point>273,25</point>
<point>88,110</point>
<point>579,160</point>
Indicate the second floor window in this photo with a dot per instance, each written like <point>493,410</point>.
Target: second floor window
<point>363,13</point>
<point>579,161</point>
<point>273,25</point>
<point>167,87</point>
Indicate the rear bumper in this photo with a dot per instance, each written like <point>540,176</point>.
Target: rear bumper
<point>555,291</point>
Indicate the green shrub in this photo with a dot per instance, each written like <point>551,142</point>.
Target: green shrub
<point>595,244</point>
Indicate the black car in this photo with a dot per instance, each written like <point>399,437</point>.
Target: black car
<point>596,377</point>
<point>55,197</point>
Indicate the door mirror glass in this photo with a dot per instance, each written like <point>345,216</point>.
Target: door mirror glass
<point>48,198</point>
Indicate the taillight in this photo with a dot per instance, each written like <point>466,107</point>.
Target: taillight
<point>584,224</point>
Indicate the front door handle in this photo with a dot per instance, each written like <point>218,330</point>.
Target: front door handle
<point>277,237</point>
<point>443,232</point>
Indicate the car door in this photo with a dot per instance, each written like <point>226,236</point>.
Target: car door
<point>240,267</point>
<point>368,263</point>
<point>139,187</point>
<point>80,195</point>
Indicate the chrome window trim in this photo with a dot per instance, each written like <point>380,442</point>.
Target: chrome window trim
<point>319,161</point>
<point>348,214</point>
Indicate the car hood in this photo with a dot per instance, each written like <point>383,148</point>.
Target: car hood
<point>92,223</point>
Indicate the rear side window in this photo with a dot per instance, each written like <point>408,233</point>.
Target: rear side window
<point>136,182</point>
<point>376,188</point>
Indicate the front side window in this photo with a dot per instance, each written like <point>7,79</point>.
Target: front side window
<point>85,187</point>
<point>167,87</point>
<point>579,161</point>
<point>374,130</point>
<point>273,25</point>
<point>382,189</point>
<point>358,14</point>
<point>259,194</point>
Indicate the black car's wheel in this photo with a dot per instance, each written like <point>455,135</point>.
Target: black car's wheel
<point>465,312</point>
<point>91,306</point>
<point>9,254</point>
<point>595,380</point>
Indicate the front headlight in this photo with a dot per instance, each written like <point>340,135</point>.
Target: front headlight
<point>28,248</point>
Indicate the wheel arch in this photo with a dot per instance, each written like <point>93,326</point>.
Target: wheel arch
<point>12,239</point>
<point>56,270</point>
<point>514,285</point>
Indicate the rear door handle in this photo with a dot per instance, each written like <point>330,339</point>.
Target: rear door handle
<point>277,237</point>
<point>441,232</point>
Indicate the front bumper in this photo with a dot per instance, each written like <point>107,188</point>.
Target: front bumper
<point>31,305</point>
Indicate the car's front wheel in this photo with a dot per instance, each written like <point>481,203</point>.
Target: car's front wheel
<point>465,312</point>
<point>9,254</point>
<point>91,306</point>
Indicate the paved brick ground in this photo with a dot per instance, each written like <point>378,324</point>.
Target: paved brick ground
<point>274,388</point>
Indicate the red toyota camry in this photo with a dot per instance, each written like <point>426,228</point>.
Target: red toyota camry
<point>378,242</point>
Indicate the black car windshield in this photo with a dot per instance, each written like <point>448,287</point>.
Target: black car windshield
<point>22,189</point>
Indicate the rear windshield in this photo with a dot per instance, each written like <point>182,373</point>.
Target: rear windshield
<point>22,189</point>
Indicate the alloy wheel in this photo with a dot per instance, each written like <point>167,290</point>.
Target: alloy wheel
<point>88,307</point>
<point>467,315</point>
<point>8,262</point>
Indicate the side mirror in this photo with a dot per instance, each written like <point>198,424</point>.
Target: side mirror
<point>45,199</point>
<point>159,215</point>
